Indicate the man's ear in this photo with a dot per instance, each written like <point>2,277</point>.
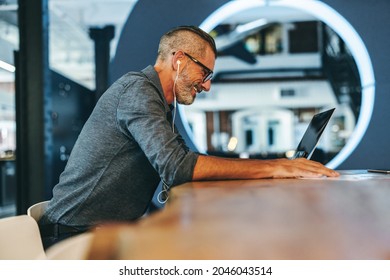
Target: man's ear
<point>178,56</point>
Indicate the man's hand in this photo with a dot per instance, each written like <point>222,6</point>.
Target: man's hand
<point>300,168</point>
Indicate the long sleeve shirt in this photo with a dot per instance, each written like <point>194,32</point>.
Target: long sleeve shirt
<point>124,150</point>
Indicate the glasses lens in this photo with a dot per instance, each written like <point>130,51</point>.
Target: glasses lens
<point>209,73</point>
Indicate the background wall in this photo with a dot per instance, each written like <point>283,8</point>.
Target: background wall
<point>149,19</point>
<point>371,21</point>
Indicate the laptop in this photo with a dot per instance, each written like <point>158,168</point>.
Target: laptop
<point>313,134</point>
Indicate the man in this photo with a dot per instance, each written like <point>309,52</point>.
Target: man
<point>129,144</point>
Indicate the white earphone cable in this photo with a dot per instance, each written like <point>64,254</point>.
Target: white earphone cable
<point>174,97</point>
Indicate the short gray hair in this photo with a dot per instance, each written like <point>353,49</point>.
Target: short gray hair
<point>191,39</point>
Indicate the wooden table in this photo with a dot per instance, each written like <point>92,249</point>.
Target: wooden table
<point>344,218</point>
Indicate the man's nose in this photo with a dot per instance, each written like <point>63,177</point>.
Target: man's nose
<point>206,85</point>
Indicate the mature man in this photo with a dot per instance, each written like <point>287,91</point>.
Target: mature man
<point>129,144</point>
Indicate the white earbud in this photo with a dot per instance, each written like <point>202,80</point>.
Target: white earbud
<point>178,68</point>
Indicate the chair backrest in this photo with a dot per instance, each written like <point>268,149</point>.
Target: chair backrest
<point>73,248</point>
<point>36,210</point>
<point>20,239</point>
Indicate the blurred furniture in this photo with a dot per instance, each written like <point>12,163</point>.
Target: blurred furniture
<point>36,211</point>
<point>20,239</point>
<point>326,218</point>
<point>73,248</point>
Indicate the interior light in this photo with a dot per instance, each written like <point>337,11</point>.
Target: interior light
<point>232,145</point>
<point>7,66</point>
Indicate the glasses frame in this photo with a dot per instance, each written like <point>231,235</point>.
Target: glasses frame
<point>209,73</point>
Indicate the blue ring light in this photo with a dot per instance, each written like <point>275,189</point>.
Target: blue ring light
<point>343,28</point>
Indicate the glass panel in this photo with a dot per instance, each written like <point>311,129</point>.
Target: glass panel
<point>9,41</point>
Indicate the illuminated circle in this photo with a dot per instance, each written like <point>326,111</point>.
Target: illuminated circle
<point>343,28</point>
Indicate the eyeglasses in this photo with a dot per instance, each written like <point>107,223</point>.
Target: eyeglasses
<point>208,73</point>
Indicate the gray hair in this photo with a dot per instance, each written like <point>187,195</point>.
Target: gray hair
<point>191,39</point>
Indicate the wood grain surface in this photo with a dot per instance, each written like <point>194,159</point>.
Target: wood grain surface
<point>345,218</point>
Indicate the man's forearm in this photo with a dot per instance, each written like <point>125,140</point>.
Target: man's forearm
<point>214,168</point>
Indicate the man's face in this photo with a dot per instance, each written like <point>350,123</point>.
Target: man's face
<point>193,79</point>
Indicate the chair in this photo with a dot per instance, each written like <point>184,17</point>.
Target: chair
<point>36,210</point>
<point>72,248</point>
<point>20,239</point>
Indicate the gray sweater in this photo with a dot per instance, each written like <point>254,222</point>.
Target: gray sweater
<point>123,151</point>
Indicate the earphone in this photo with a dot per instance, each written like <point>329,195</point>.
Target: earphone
<point>174,95</point>
<point>174,85</point>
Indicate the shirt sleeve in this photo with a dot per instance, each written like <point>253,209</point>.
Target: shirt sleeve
<point>142,116</point>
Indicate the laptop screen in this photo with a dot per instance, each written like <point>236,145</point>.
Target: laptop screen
<point>313,133</point>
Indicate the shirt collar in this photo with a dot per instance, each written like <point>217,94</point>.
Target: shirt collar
<point>152,76</point>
